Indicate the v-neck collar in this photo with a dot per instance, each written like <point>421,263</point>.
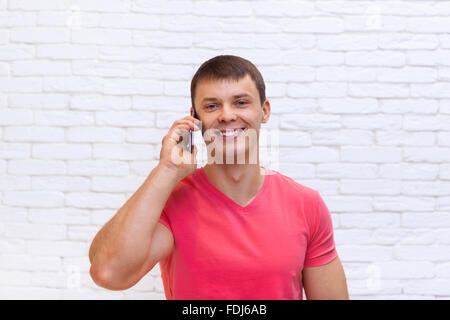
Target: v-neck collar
<point>254,203</point>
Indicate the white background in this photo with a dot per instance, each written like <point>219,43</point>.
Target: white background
<point>360,95</point>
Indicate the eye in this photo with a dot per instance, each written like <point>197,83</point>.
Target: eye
<point>242,102</point>
<point>208,106</point>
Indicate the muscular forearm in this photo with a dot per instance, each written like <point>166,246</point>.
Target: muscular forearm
<point>122,245</point>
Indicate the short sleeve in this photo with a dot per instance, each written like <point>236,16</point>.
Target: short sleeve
<point>164,219</point>
<point>321,246</point>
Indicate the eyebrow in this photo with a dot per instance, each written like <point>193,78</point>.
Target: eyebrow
<point>234,97</point>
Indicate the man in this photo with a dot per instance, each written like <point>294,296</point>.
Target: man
<point>228,230</point>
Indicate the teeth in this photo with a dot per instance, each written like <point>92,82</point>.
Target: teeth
<point>230,133</point>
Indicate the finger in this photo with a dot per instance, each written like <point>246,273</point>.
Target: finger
<point>191,124</point>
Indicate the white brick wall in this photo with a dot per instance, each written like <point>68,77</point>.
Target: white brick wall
<point>359,92</point>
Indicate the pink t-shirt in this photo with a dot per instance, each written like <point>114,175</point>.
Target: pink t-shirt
<point>224,251</point>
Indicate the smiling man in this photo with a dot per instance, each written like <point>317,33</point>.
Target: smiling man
<point>231,229</point>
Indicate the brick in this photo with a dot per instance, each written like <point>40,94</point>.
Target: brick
<point>72,19</point>
<point>297,171</point>
<point>123,151</point>
<point>410,74</point>
<point>57,248</point>
<point>59,216</point>
<point>352,74</point>
<point>101,5</point>
<point>39,35</point>
<point>435,287</point>
<point>132,87</point>
<point>212,41</point>
<point>426,188</point>
<point>426,253</point>
<point>443,203</point>
<point>370,154</point>
<point>100,102</point>
<point>40,68</point>
<point>370,186</point>
<point>17,52</point>
<point>97,167</point>
<point>401,106</point>
<point>444,106</point>
<point>125,118</point>
<point>130,21</point>
<point>403,203</point>
<point>347,42</point>
<point>313,25</point>
<point>409,171</point>
<point>435,90</point>
<point>39,101</point>
<point>316,90</point>
<point>314,154</point>
<point>31,5</point>
<point>12,150</point>
<point>45,199</point>
<point>91,200</point>
<point>63,118</point>
<point>162,7</point>
<point>9,183</point>
<point>21,85</point>
<point>426,154</point>
<point>444,171</point>
<point>116,184</point>
<point>313,58</point>
<point>374,22</point>
<point>62,151</point>
<point>426,220</point>
<point>101,69</point>
<point>310,122</point>
<point>35,231</point>
<point>95,134</point>
<point>342,137</point>
<point>11,117</point>
<point>423,57</point>
<point>378,90</point>
<point>73,84</point>
<point>403,138</point>
<point>66,51</point>
<point>343,203</point>
<point>102,37</point>
<point>361,253</point>
<point>428,25</point>
<point>408,41</point>
<point>17,19</point>
<point>294,139</point>
<point>375,58</point>
<point>21,262</point>
<point>431,123</point>
<point>369,220</point>
<point>378,121</point>
<point>34,134</point>
<point>63,183</point>
<point>346,170</point>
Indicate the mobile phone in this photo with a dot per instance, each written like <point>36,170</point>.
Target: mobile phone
<point>191,133</point>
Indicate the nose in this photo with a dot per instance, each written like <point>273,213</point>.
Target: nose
<point>227,113</point>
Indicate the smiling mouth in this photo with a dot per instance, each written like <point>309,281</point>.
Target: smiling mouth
<point>232,132</point>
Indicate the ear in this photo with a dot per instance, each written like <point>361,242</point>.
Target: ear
<point>265,111</point>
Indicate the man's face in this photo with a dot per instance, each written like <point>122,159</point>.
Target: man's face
<point>231,114</point>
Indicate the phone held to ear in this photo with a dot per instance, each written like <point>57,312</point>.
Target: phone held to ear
<point>191,133</point>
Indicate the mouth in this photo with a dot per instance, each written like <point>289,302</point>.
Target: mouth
<point>232,133</point>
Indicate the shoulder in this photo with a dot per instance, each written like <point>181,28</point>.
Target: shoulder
<point>289,186</point>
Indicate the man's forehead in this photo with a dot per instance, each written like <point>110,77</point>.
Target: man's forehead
<point>226,87</point>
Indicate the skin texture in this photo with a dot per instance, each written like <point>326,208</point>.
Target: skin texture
<point>325,282</point>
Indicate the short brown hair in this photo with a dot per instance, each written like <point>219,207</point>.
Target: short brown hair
<point>228,67</point>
